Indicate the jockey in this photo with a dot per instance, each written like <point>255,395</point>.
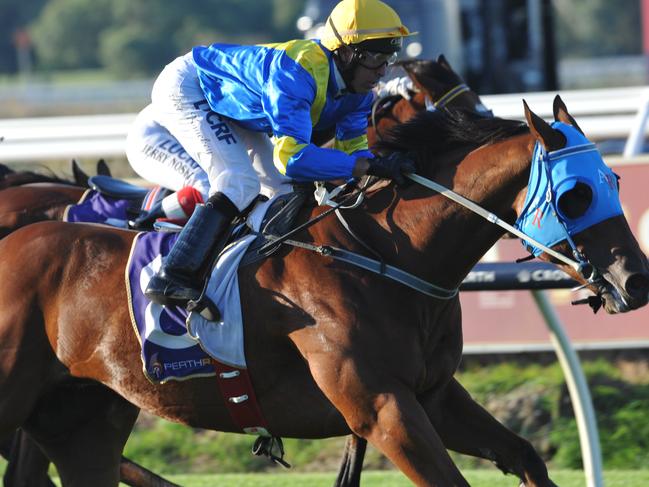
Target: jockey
<point>223,101</point>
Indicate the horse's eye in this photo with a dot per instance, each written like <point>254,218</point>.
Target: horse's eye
<point>574,203</point>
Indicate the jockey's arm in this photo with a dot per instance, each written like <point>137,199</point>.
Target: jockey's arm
<point>295,157</point>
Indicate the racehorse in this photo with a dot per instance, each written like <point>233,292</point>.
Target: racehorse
<point>438,87</point>
<point>331,348</point>
<point>435,80</point>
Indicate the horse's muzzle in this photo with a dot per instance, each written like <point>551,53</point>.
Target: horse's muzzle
<point>633,293</point>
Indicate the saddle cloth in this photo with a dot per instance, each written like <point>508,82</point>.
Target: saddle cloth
<point>94,207</point>
<point>177,345</point>
<point>97,207</point>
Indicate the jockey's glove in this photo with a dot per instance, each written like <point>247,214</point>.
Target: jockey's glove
<point>397,86</point>
<point>393,166</point>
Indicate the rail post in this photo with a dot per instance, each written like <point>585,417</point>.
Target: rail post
<point>579,393</point>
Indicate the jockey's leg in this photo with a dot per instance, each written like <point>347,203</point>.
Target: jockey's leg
<point>217,145</point>
<point>158,157</point>
<point>260,152</point>
<point>464,426</point>
<point>179,280</point>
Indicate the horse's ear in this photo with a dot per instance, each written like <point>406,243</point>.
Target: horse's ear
<point>441,60</point>
<point>102,168</point>
<point>561,113</point>
<point>541,130</point>
<point>80,177</point>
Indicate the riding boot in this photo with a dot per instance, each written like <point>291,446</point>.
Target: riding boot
<point>179,279</point>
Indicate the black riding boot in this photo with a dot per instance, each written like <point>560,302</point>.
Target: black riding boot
<point>178,281</point>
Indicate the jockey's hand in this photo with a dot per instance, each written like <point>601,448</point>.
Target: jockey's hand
<point>397,86</point>
<point>393,166</point>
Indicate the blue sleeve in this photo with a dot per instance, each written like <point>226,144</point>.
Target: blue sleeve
<point>288,100</point>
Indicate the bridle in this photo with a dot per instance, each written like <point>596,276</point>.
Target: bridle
<point>449,96</point>
<point>385,103</point>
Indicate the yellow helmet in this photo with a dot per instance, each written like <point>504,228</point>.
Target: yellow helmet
<point>356,21</point>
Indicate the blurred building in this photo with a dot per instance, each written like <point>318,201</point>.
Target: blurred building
<point>499,46</point>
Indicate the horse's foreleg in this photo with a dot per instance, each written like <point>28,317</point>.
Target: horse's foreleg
<point>464,426</point>
<point>82,427</point>
<point>351,464</point>
<point>386,413</point>
<point>27,464</point>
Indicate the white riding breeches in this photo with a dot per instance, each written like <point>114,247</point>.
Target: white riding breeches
<point>158,157</point>
<point>231,159</point>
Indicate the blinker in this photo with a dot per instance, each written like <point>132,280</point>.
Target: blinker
<point>555,173</point>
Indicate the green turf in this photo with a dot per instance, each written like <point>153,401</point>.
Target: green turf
<point>477,478</point>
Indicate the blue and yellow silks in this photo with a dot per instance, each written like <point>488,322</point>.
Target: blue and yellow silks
<point>287,90</point>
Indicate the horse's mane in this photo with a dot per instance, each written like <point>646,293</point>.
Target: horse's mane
<point>441,131</point>
<point>9,177</point>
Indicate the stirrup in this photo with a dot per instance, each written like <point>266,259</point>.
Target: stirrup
<point>205,307</point>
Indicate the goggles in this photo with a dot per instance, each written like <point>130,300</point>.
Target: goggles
<point>374,60</point>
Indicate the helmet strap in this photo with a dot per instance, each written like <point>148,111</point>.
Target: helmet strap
<point>346,59</point>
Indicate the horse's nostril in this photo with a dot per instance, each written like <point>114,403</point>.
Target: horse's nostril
<point>637,286</point>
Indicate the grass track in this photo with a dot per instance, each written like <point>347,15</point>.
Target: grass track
<point>477,478</point>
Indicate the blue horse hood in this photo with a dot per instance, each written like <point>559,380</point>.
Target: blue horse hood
<point>555,173</point>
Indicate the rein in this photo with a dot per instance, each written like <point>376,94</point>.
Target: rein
<point>379,104</point>
<point>490,217</point>
<point>378,266</point>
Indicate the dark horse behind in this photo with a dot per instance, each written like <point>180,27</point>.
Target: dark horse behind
<point>332,349</point>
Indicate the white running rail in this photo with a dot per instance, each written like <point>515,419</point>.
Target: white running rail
<point>613,113</point>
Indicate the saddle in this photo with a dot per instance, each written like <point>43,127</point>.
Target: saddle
<point>116,188</point>
<point>277,220</point>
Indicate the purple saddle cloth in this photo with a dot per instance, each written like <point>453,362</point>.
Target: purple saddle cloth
<point>94,207</point>
<point>168,351</point>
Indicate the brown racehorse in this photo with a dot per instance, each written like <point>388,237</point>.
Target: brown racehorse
<point>32,203</point>
<point>22,205</point>
<point>331,348</point>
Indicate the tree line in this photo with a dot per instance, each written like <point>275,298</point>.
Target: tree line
<point>134,39</point>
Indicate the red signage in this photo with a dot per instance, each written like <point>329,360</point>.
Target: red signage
<point>510,320</point>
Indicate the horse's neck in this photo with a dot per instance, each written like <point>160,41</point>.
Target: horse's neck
<point>425,233</point>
